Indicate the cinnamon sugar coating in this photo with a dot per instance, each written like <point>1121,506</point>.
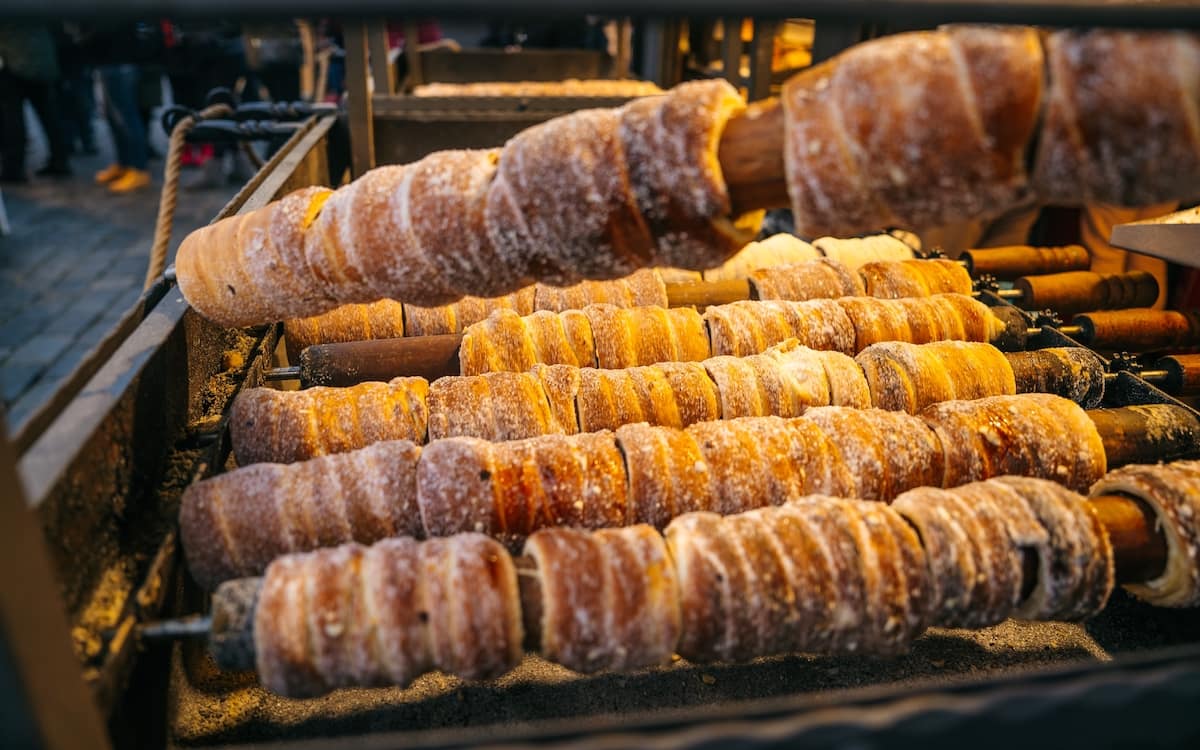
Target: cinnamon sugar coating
<point>822,278</point>
<point>509,490</point>
<point>385,614</point>
<point>861,156</point>
<point>909,377</point>
<point>609,598</point>
<point>1034,434</point>
<point>1173,491</point>
<point>235,523</point>
<point>266,424</point>
<point>817,575</point>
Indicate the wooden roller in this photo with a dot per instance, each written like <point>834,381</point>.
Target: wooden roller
<point>1147,433</point>
<point>704,293</point>
<point>429,357</point>
<point>1078,291</point>
<point>1139,330</point>
<point>1181,373</point>
<point>1013,261</point>
<point>1071,372</point>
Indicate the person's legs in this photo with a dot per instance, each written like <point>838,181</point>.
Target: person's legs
<point>12,126</point>
<point>121,88</point>
<point>129,132</point>
<point>42,96</point>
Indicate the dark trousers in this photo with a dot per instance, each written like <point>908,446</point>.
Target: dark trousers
<point>78,105</point>
<point>121,84</point>
<point>14,92</point>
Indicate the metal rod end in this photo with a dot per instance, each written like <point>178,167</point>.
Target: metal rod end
<point>195,626</point>
<point>284,373</point>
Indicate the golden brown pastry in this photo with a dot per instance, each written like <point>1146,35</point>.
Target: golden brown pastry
<point>507,342</point>
<point>382,615</point>
<point>974,537</point>
<point>1075,562</point>
<point>266,424</point>
<point>784,381</point>
<point>818,575</point>
<point>642,288</point>
<point>856,158</point>
<point>668,475</point>
<point>886,452</point>
<point>609,598</point>
<point>909,377</point>
<point>1033,434</point>
<point>495,406</point>
<point>855,252</point>
<point>670,145</point>
<point>379,320</point>
<point>674,394</point>
<point>914,278</point>
<point>629,337</point>
<point>1173,491</point>
<point>560,383</point>
<point>773,251</point>
<point>456,316</point>
<point>743,328</point>
<point>235,523</point>
<point>509,490</point>
<point>815,279</point>
<point>646,187</point>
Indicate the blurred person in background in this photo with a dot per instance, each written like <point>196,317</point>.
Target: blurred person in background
<point>76,92</point>
<point>29,72</point>
<point>119,51</point>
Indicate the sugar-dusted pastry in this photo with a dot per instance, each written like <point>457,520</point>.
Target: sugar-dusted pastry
<point>1033,434</point>
<point>266,424</point>
<point>887,452</point>
<point>974,538</point>
<point>771,252</point>
<point>914,278</point>
<point>609,598</point>
<point>235,523</point>
<point>819,575</point>
<point>1173,491</point>
<point>509,490</point>
<point>629,337</point>
<point>909,377</point>
<point>495,406</point>
<point>821,278</point>
<point>1075,573</point>
<point>386,614</point>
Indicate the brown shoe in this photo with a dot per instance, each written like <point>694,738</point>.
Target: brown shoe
<point>133,179</point>
<point>109,173</point>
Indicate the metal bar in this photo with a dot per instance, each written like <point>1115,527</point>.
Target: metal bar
<point>362,126</point>
<point>731,50</point>
<point>762,50</point>
<point>33,625</point>
<point>381,67</point>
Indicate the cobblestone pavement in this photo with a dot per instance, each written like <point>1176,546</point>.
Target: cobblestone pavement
<point>72,266</point>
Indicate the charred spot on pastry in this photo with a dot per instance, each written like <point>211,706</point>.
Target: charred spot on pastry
<point>485,475</point>
<point>231,289</point>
